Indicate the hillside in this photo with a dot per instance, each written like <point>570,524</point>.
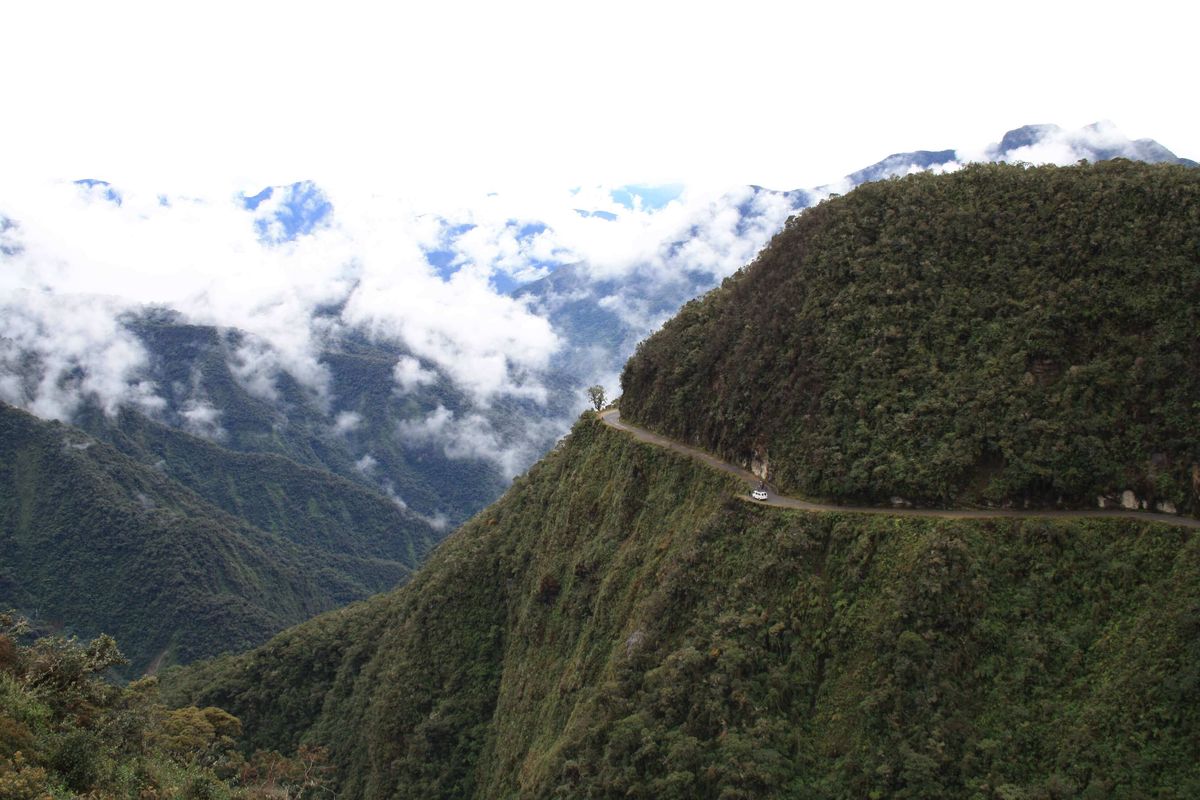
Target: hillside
<point>999,335</point>
<point>620,625</point>
<point>97,541</point>
<point>210,388</point>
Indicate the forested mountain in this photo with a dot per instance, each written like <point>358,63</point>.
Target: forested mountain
<point>211,388</point>
<point>201,551</point>
<point>620,624</point>
<point>603,316</point>
<point>998,335</point>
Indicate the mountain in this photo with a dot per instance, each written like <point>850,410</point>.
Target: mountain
<point>354,413</point>
<point>603,316</point>
<point>620,625</point>
<point>999,335</point>
<point>323,357</point>
<point>203,551</point>
<point>1099,141</point>
<point>624,623</point>
<point>211,385</point>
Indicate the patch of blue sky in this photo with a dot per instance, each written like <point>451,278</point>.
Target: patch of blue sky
<point>527,230</point>
<point>447,258</point>
<point>300,209</point>
<point>443,261</point>
<point>605,215</point>
<point>648,198</point>
<point>504,283</point>
<point>252,203</point>
<point>102,188</point>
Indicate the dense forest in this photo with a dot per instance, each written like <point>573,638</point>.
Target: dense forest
<point>236,549</point>
<point>999,335</point>
<point>65,731</point>
<point>621,625</point>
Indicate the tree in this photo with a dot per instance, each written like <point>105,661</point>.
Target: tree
<point>596,395</point>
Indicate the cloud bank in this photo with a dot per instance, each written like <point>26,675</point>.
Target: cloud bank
<point>485,291</point>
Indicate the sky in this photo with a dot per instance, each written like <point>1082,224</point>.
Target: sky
<point>428,157</point>
<point>446,96</point>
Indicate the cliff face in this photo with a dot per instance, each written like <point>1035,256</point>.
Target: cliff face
<point>1000,335</point>
<point>621,625</point>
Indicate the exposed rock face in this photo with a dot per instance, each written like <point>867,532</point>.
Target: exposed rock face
<point>760,464</point>
<point>1131,502</point>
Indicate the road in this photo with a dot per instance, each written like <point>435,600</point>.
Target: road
<point>612,418</point>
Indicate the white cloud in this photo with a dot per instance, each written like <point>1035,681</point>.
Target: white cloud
<point>347,421</point>
<point>486,342</point>
<point>410,375</point>
<point>473,436</point>
<point>201,418</point>
<point>57,351</point>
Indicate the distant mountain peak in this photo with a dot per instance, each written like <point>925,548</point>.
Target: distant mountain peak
<point>1027,135</point>
<point>1039,143</point>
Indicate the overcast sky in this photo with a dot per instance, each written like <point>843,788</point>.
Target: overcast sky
<point>506,95</point>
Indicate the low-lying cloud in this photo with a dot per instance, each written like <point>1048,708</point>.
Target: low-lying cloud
<point>294,268</point>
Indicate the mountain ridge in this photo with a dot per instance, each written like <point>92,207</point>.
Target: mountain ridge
<point>1000,334</point>
<point>96,541</point>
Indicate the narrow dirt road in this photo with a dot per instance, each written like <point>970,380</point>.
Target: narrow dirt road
<point>612,418</point>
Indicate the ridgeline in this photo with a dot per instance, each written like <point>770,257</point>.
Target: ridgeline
<point>1000,335</point>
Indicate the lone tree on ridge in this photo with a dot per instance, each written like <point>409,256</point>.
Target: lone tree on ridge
<point>596,395</point>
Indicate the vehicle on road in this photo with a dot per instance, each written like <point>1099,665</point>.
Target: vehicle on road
<point>760,493</point>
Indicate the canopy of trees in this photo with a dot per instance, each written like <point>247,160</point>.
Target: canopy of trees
<point>66,732</point>
<point>1002,334</point>
<point>619,626</point>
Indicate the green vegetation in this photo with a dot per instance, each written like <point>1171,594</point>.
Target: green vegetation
<point>96,541</point>
<point>998,335</point>
<point>308,506</point>
<point>65,732</point>
<point>620,625</point>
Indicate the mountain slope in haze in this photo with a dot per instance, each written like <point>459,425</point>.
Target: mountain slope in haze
<point>96,541</point>
<point>619,625</point>
<point>996,335</point>
<point>223,385</point>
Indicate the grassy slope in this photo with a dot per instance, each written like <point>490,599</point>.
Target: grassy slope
<point>620,626</point>
<point>998,334</point>
<point>96,541</point>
